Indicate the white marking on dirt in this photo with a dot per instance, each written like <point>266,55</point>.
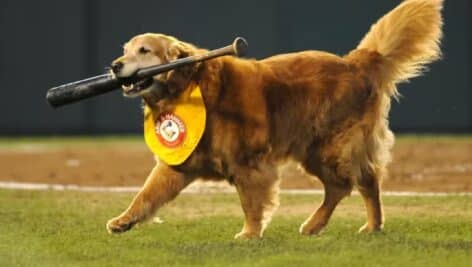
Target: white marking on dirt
<point>73,163</point>
<point>60,187</point>
<point>28,149</point>
<point>201,187</point>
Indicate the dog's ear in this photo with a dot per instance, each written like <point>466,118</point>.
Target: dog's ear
<point>179,50</point>
<point>178,79</point>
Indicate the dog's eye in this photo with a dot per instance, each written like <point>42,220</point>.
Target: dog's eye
<point>144,50</point>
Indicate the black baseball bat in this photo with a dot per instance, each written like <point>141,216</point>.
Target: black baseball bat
<point>79,90</point>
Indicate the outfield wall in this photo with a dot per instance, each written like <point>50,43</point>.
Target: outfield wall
<point>46,43</point>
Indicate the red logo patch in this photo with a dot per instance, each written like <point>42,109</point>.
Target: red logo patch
<point>170,130</point>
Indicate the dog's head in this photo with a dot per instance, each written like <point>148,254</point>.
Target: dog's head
<point>152,49</point>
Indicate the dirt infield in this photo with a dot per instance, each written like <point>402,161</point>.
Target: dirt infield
<point>420,164</point>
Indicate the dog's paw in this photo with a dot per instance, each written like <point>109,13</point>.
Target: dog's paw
<point>367,229</point>
<point>157,220</point>
<point>119,225</point>
<point>310,229</point>
<point>247,236</point>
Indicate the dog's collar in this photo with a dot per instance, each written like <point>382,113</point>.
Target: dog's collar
<point>155,94</point>
<point>160,91</point>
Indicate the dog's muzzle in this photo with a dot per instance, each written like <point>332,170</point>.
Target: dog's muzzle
<point>134,89</point>
<point>117,67</point>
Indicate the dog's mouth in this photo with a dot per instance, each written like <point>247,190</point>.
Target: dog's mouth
<point>134,89</point>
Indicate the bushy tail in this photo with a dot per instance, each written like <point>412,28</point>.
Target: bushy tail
<point>408,38</point>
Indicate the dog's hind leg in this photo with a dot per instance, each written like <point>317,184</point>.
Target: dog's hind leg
<point>369,188</point>
<point>335,187</point>
<point>162,185</point>
<point>373,170</point>
<point>334,193</point>
<point>259,194</point>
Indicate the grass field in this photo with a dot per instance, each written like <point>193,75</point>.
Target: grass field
<point>68,229</point>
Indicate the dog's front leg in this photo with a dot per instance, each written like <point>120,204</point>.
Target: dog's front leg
<point>259,194</point>
<point>163,184</point>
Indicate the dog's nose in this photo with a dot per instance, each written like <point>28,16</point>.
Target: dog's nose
<point>116,67</point>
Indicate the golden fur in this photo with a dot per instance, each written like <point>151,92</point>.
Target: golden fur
<point>326,112</point>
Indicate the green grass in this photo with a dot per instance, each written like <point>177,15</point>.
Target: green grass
<point>67,229</point>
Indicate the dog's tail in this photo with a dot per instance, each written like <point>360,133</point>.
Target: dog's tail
<point>407,38</point>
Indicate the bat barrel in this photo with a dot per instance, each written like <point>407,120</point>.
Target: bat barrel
<point>76,91</point>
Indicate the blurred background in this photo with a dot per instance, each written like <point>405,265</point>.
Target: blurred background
<point>51,42</point>
<point>97,144</point>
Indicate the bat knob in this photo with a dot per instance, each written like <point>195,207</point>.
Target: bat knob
<point>240,46</point>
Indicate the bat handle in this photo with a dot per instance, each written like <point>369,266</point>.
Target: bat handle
<point>76,91</point>
<point>240,46</point>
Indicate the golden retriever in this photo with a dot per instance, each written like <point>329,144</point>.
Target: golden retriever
<point>326,112</point>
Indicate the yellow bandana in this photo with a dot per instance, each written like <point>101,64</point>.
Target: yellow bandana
<point>173,135</point>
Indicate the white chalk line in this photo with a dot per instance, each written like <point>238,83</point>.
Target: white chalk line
<point>201,187</point>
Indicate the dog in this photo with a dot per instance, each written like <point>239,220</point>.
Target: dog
<point>326,112</point>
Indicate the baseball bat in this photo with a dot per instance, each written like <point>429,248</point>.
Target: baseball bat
<point>79,90</point>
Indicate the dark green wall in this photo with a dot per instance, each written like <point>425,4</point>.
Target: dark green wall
<point>46,43</point>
